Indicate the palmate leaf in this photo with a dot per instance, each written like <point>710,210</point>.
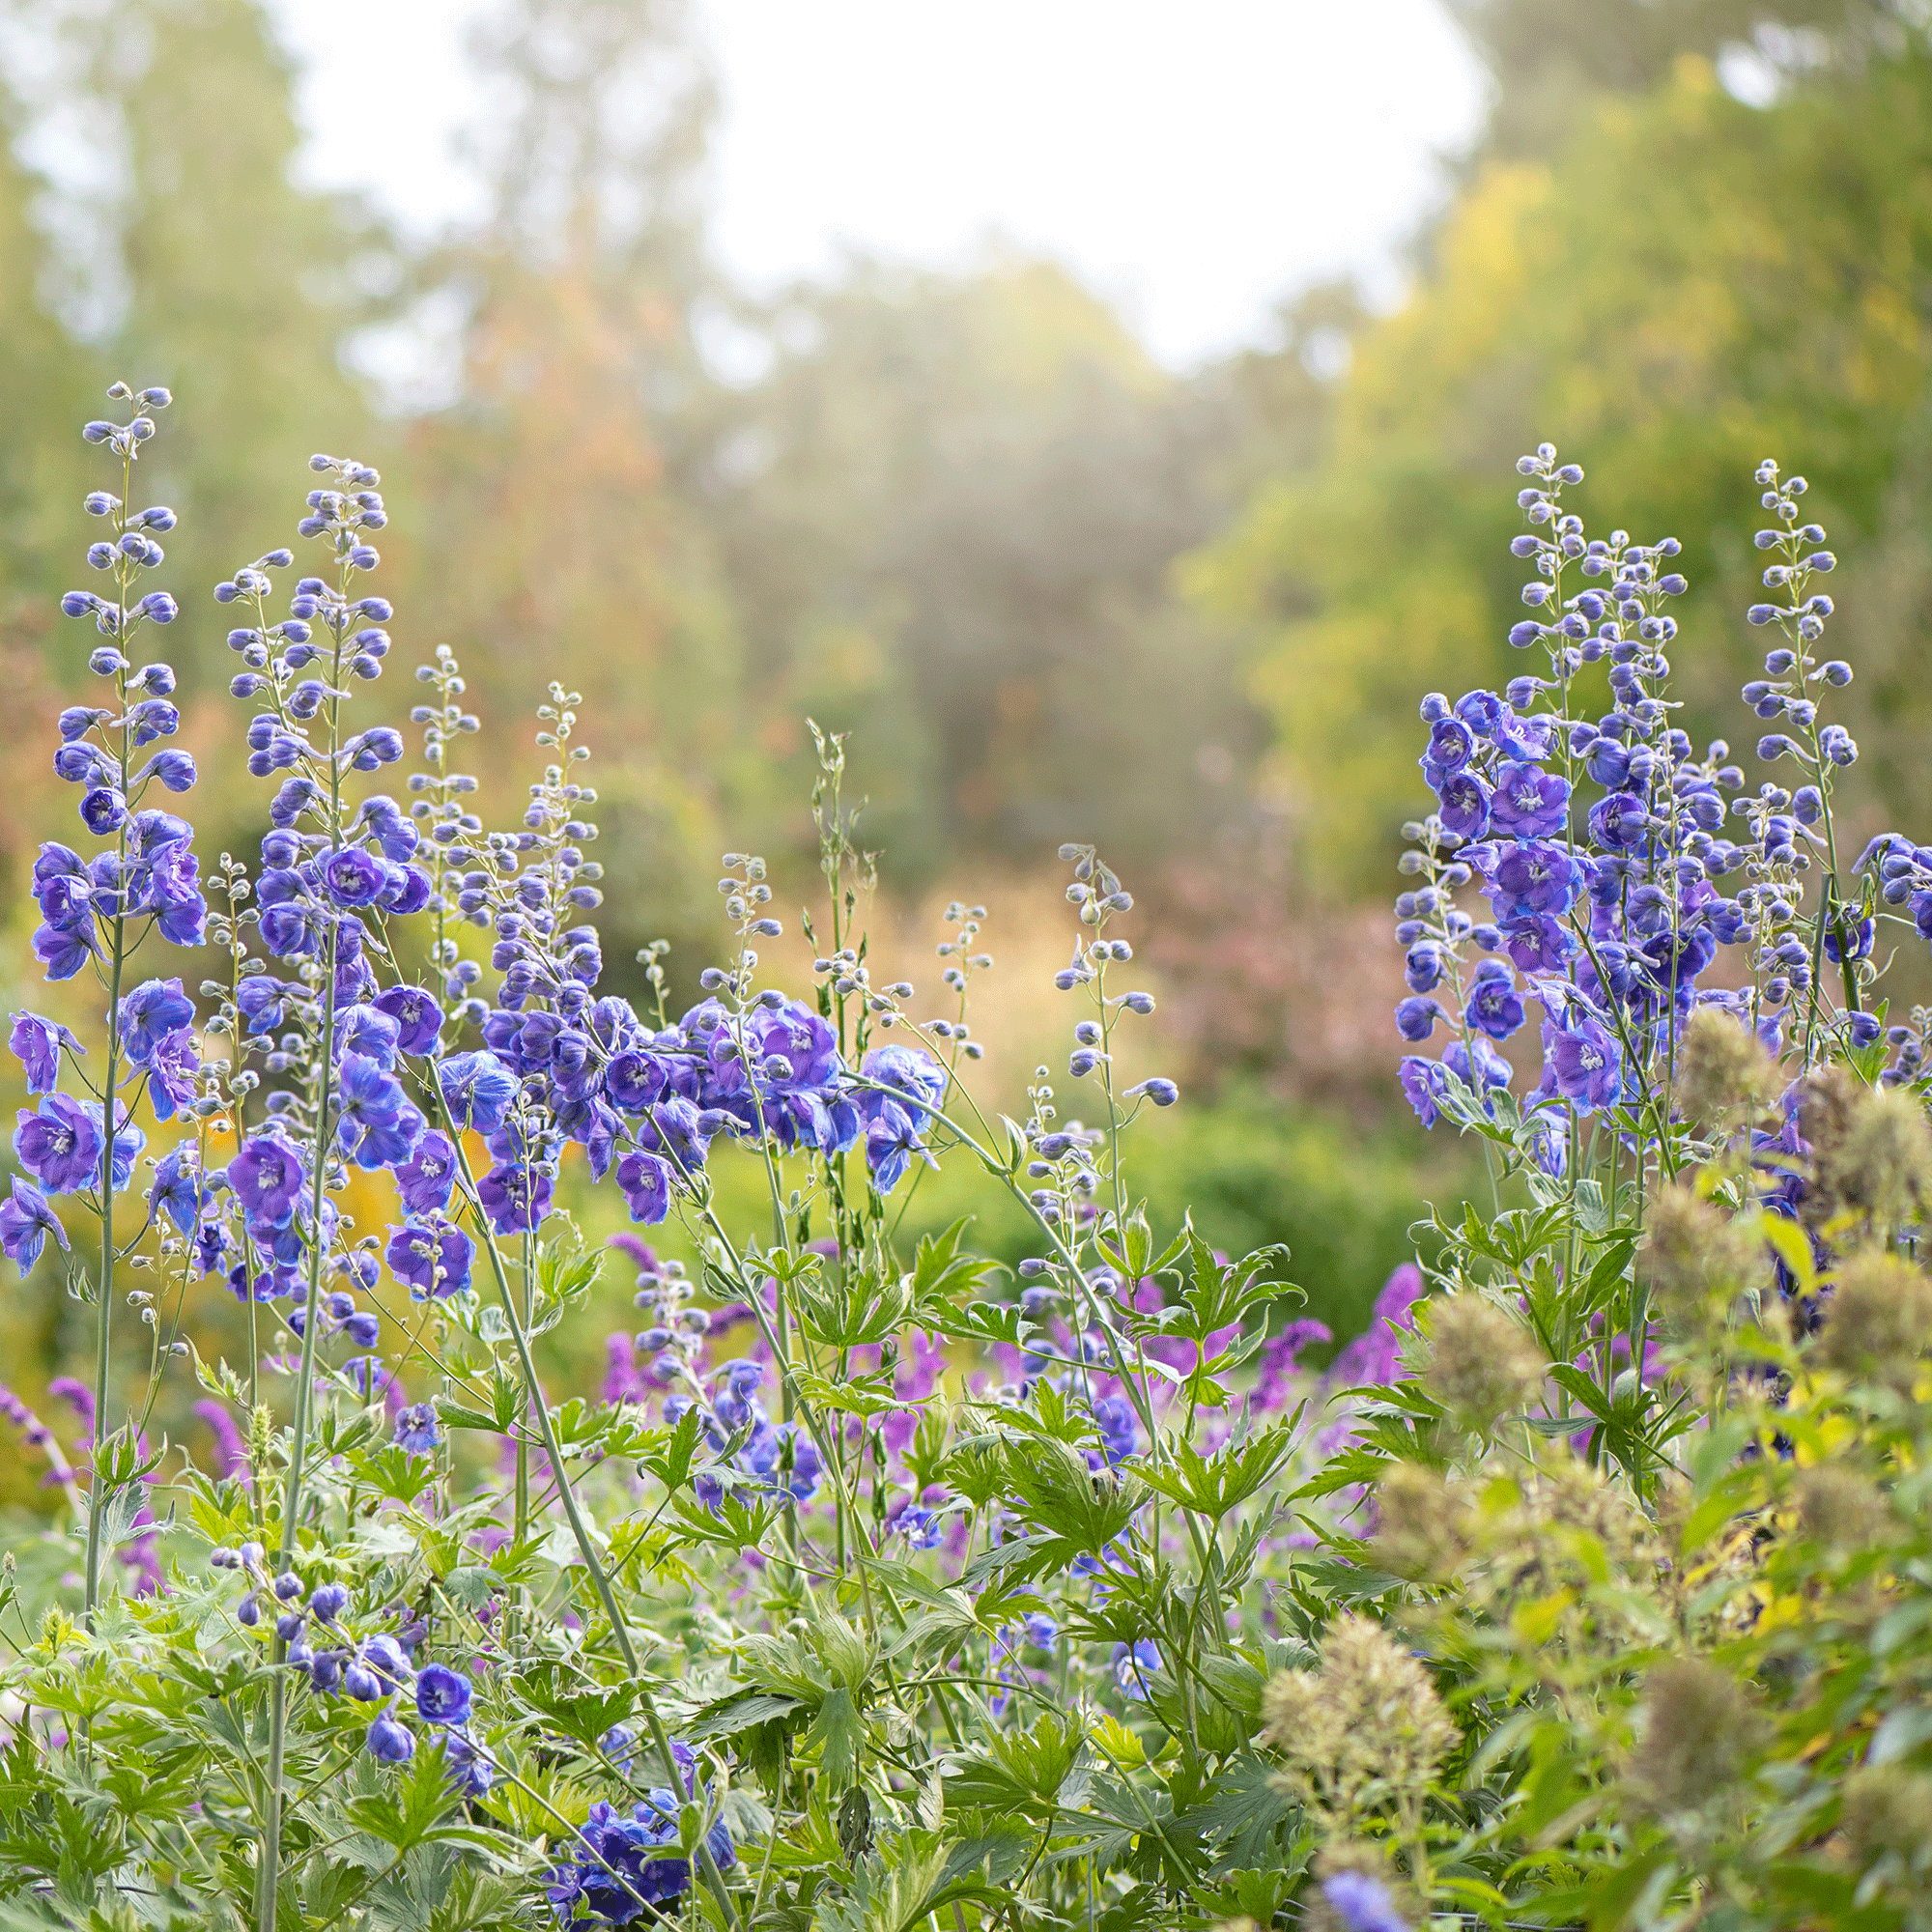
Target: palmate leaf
<point>890,1892</point>
<point>864,1396</point>
<point>943,1275</point>
<point>981,1868</point>
<point>1080,1511</point>
<point>982,1321</point>
<point>581,1713</point>
<point>852,1314</point>
<point>1217,1297</point>
<point>1214,1485</point>
<point>1021,1769</point>
<point>838,1735</point>
<point>423,1806</point>
<point>1244,1807</point>
<point>730,1716</point>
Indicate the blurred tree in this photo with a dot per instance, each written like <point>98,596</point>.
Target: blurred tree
<point>1549,64</point>
<point>948,516</point>
<point>538,532</point>
<point>1690,284</point>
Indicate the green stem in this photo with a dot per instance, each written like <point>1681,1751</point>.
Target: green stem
<point>292,1497</point>
<point>105,1298</point>
<point>579,1528</point>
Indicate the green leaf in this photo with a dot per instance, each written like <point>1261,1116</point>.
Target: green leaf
<point>839,1734</point>
<point>1214,1485</point>
<point>942,1273</point>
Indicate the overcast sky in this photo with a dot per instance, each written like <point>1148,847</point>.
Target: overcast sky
<point>1193,159</point>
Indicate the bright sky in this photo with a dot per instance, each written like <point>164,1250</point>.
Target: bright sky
<point>1193,159</point>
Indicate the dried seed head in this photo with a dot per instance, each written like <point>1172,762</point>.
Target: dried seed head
<point>1698,1729</point>
<point>1878,1321</point>
<point>1421,1534</point>
<point>1838,1508</point>
<point>1887,1808</point>
<point>1871,1151</point>
<point>1569,1495</point>
<point>1369,1716</point>
<point>1693,1251</point>
<point>1723,1068</point>
<point>1484,1365</point>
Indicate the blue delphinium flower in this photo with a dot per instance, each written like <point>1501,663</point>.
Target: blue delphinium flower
<point>624,1865</point>
<point>1362,1903</point>
<point>477,1089</point>
<point>37,1043</point>
<point>25,1223</point>
<point>378,1126</point>
<point>180,1192</point>
<point>390,1742</point>
<point>431,1257</point>
<point>443,1696</point>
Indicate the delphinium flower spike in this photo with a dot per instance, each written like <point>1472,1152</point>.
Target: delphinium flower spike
<point>98,912</point>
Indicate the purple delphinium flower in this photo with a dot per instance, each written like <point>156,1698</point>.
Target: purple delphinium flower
<point>430,1258</point>
<point>36,1043</point>
<point>645,1179</point>
<point>355,878</point>
<point>891,1139</point>
<point>418,1018</point>
<point>60,1143</point>
<point>1465,804</point>
<point>514,1197</point>
<point>443,1696</point>
<point>268,1176</point>
<point>426,1180</point>
<point>1534,878</point>
<point>1583,1063</point>
<point>1539,944</point>
<point>1362,1903</point>
<point>1415,1017</point>
<point>1424,1086</point>
<point>1529,803</point>
<point>25,1223</point>
<point>416,1431</point>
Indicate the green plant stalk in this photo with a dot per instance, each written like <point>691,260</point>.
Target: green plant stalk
<point>579,1528</point>
<point>291,1496</point>
<point>104,1296</point>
